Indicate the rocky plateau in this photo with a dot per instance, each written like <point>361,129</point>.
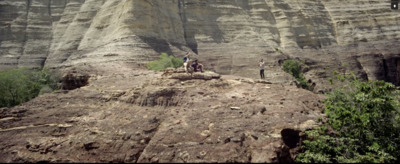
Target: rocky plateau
<point>149,116</point>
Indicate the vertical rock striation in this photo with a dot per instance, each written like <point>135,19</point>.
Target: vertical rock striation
<point>228,36</point>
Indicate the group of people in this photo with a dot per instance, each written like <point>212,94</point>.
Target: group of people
<point>199,67</point>
<point>194,64</point>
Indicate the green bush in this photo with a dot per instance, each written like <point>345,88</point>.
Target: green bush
<point>294,68</point>
<point>164,62</point>
<point>21,85</point>
<point>365,122</point>
<point>45,89</point>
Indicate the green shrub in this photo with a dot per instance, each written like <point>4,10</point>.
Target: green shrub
<point>45,89</point>
<point>164,62</point>
<point>20,85</point>
<point>277,49</point>
<point>294,68</point>
<point>365,120</point>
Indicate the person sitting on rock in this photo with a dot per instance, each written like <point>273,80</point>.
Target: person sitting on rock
<point>197,66</point>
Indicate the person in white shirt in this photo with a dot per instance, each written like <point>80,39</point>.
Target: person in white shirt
<point>185,61</point>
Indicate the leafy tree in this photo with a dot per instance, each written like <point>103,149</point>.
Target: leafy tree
<point>364,119</point>
<point>294,68</point>
<point>20,85</point>
<point>164,62</point>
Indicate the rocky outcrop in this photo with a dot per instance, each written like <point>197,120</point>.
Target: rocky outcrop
<point>147,117</point>
<point>73,80</point>
<point>228,36</point>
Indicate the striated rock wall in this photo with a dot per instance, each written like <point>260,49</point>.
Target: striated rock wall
<point>228,36</point>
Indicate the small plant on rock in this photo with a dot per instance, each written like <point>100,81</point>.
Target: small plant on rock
<point>164,62</point>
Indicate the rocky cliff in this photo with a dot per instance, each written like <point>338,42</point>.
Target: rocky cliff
<point>229,36</point>
<point>112,110</point>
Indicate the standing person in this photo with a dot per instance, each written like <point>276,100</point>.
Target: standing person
<point>261,64</point>
<point>186,60</point>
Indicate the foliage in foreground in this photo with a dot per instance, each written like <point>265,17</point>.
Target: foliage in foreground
<point>20,85</point>
<point>294,68</point>
<point>164,62</point>
<point>364,119</point>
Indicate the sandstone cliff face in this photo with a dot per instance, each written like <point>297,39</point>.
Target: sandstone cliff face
<point>358,36</point>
